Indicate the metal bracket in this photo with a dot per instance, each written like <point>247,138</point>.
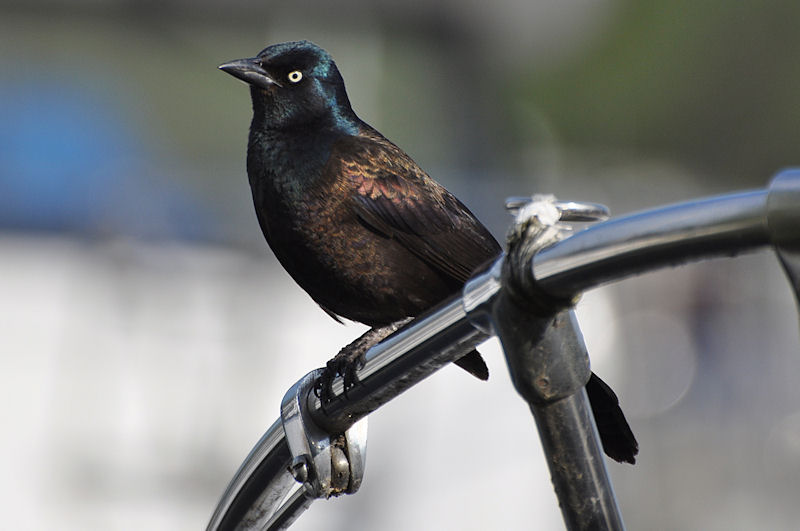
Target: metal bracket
<point>327,465</point>
<point>480,290</point>
<point>568,210</point>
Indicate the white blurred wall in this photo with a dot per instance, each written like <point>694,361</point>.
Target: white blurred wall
<point>135,378</point>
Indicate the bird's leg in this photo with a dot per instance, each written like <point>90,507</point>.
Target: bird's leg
<point>351,358</point>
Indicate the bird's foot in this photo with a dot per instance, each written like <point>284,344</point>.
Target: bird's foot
<point>350,359</point>
<point>346,363</point>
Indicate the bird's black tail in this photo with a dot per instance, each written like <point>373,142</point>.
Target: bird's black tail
<point>474,364</point>
<point>616,436</point>
<point>618,440</point>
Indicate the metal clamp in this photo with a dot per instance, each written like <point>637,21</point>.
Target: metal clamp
<point>481,289</point>
<point>326,465</point>
<point>568,210</point>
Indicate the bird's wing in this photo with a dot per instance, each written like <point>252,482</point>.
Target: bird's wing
<point>394,197</point>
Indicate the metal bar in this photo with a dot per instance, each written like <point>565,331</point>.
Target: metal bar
<point>255,497</point>
<point>259,487</point>
<point>725,225</point>
<point>549,367</point>
<point>577,467</point>
<point>783,218</point>
<point>643,241</point>
<point>400,361</point>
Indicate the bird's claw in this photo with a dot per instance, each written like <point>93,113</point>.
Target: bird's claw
<point>350,359</point>
<point>345,364</point>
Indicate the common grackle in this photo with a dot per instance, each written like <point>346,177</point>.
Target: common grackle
<point>357,224</point>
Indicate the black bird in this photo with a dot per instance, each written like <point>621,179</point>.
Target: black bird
<point>357,224</point>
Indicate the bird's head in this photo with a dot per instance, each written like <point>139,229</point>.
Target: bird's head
<point>293,84</point>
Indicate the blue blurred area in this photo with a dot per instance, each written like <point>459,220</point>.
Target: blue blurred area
<point>70,162</point>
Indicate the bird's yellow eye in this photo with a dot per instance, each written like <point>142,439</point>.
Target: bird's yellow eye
<point>295,76</point>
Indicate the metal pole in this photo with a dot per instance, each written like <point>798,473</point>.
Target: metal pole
<point>549,366</point>
<point>635,243</point>
<point>724,225</point>
<point>577,467</point>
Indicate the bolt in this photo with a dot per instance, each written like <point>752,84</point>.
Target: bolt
<point>299,469</point>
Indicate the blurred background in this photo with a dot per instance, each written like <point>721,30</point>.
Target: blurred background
<point>147,333</point>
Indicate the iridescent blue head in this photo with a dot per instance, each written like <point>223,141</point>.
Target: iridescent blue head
<point>294,85</point>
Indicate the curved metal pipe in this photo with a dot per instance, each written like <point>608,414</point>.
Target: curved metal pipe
<point>643,241</point>
<point>263,494</point>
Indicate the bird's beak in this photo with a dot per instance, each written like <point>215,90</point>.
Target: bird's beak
<point>250,71</point>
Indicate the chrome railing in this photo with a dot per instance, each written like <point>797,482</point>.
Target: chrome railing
<point>317,451</point>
